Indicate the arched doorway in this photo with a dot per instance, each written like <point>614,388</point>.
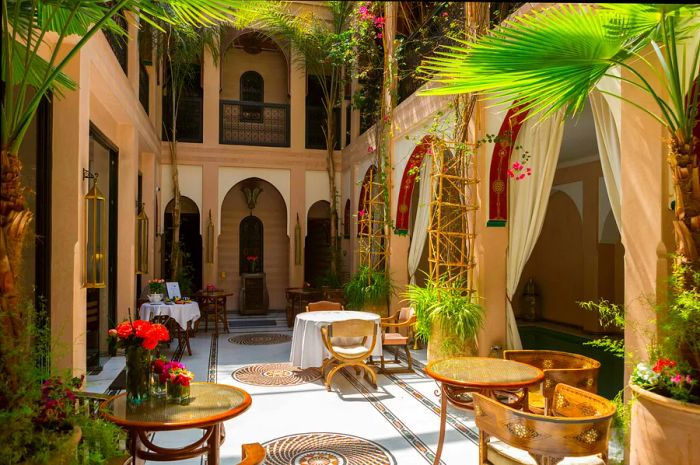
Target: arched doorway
<point>267,219</point>
<point>317,257</point>
<point>191,240</point>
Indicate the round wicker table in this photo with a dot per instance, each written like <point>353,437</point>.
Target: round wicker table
<point>209,406</point>
<point>493,377</point>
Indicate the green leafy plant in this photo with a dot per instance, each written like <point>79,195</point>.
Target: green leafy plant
<point>444,303</point>
<point>368,287</point>
<point>610,316</point>
<point>101,440</point>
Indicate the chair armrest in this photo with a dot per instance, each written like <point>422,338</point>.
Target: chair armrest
<point>253,454</point>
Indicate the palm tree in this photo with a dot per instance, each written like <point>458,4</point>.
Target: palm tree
<point>27,66</point>
<point>323,44</point>
<point>182,46</point>
<point>552,59</point>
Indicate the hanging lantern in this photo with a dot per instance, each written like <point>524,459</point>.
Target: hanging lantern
<point>95,244</point>
<point>141,241</point>
<point>210,240</point>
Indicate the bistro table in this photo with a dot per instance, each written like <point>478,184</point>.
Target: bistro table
<point>214,302</point>
<point>209,406</point>
<point>307,344</point>
<point>460,376</point>
<point>299,297</point>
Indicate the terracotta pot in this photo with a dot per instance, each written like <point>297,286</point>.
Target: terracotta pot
<point>663,431</point>
<point>436,350</point>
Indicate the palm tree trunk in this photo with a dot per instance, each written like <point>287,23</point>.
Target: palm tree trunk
<point>14,220</point>
<point>330,166</point>
<point>175,250</point>
<point>686,183</point>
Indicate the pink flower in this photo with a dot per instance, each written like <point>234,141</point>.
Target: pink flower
<point>380,35</point>
<point>511,173</point>
<point>361,213</point>
<point>517,166</point>
<point>379,21</point>
<point>370,149</point>
<point>677,379</point>
<point>520,177</point>
<point>444,14</point>
<point>688,379</point>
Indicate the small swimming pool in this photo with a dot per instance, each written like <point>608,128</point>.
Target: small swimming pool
<point>612,369</point>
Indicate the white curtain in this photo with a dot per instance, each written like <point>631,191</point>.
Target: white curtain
<point>422,222</point>
<point>527,203</point>
<point>607,132</point>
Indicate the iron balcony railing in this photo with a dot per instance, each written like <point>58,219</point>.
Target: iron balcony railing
<point>254,123</point>
<point>119,44</point>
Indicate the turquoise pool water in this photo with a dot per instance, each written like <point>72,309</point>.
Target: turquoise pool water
<point>611,375</point>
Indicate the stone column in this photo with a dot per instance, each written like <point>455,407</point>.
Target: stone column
<point>210,203</point>
<point>297,91</point>
<point>132,56</point>
<point>211,82</point>
<point>126,220</point>
<point>71,135</point>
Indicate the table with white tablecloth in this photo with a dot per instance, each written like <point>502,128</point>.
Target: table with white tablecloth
<point>181,313</point>
<point>307,344</point>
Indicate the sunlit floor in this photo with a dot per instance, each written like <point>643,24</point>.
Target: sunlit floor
<point>354,424</point>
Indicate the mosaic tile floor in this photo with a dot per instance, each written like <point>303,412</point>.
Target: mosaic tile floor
<point>301,423</point>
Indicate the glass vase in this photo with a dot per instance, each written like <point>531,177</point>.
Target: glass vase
<point>178,393</point>
<point>138,367</point>
<point>158,387</point>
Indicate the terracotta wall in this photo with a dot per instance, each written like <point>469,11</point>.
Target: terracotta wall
<point>272,212</point>
<point>272,66</point>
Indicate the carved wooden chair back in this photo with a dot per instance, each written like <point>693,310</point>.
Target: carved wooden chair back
<point>347,343</point>
<point>323,305</point>
<point>580,428</point>
<point>253,454</point>
<point>559,367</point>
<point>397,331</point>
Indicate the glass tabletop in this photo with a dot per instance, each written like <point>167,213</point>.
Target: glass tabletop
<point>484,372</point>
<point>209,403</point>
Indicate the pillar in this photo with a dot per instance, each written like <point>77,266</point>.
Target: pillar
<point>297,108</point>
<point>211,82</point>
<point>127,142</point>
<point>70,133</point>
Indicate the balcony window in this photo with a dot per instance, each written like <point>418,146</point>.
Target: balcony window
<point>252,90</point>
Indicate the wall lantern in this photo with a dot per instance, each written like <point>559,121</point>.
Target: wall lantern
<point>297,242</point>
<point>210,240</point>
<point>95,244</point>
<point>141,241</point>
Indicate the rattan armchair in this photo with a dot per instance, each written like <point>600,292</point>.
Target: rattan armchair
<point>253,454</point>
<point>558,367</point>
<point>323,305</point>
<point>579,427</point>
<point>397,330</point>
<point>346,342</point>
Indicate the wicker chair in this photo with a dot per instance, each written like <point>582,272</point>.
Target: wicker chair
<point>579,427</point>
<point>253,454</point>
<point>558,367</point>
<point>323,305</point>
<point>397,330</point>
<point>346,342</point>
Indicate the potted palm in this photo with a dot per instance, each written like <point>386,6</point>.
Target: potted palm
<point>447,318</point>
<point>369,290</point>
<point>550,60</point>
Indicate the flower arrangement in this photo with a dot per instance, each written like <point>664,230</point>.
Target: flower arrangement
<point>156,286</point>
<point>179,379</point>
<point>252,261</point>
<point>668,378</point>
<point>139,333</point>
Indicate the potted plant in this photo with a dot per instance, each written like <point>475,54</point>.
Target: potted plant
<point>179,379</point>
<point>156,289</point>
<point>369,290</point>
<point>447,318</point>
<point>563,51</point>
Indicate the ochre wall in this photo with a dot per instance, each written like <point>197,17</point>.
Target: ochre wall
<point>272,66</point>
<point>272,212</point>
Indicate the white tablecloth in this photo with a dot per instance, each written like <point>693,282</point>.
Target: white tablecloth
<point>182,313</point>
<point>307,344</point>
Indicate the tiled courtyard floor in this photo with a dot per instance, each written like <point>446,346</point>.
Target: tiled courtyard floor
<point>396,424</point>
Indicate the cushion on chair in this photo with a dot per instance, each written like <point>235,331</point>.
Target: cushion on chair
<point>351,350</point>
<point>501,453</point>
<point>389,339</point>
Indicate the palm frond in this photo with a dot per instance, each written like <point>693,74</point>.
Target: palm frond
<point>547,60</point>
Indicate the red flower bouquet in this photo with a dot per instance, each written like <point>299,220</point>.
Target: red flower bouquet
<point>140,333</point>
